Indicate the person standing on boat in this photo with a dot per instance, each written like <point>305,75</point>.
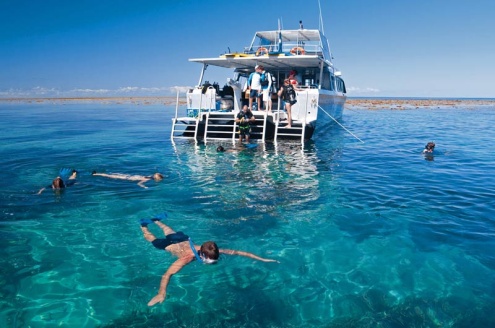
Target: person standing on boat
<point>287,93</point>
<point>254,85</point>
<point>244,118</point>
<point>180,245</point>
<point>266,88</point>
<point>294,78</point>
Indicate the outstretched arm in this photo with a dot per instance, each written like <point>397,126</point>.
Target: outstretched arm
<point>173,269</point>
<point>246,254</point>
<point>142,182</point>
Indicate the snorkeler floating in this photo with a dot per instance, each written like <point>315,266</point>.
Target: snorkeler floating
<point>142,179</point>
<point>181,246</point>
<point>429,148</point>
<point>66,177</point>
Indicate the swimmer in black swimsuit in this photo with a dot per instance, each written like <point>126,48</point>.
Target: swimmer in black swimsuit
<point>181,246</point>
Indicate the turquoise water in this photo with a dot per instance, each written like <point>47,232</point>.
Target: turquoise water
<point>367,234</point>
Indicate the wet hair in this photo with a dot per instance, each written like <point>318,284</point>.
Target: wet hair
<point>58,183</point>
<point>220,149</point>
<point>158,176</point>
<point>210,250</point>
<point>430,145</point>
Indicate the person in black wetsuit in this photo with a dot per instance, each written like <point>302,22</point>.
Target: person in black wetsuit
<point>180,245</point>
<point>245,118</point>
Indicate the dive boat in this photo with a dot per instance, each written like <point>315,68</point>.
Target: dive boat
<point>210,109</point>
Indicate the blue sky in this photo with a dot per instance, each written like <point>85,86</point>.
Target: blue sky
<point>436,48</point>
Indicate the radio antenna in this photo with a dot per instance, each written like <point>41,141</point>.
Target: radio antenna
<point>322,29</point>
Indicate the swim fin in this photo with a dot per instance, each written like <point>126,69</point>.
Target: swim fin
<point>250,145</point>
<point>65,173</point>
<point>145,222</point>
<point>159,217</point>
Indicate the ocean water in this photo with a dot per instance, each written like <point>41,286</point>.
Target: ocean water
<point>367,234</point>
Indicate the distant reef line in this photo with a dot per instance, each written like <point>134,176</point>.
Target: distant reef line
<point>416,103</point>
<point>351,103</point>
<point>165,100</point>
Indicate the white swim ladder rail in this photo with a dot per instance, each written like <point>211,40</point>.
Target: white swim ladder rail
<point>293,131</point>
<point>184,127</point>
<point>219,125</point>
<point>259,129</point>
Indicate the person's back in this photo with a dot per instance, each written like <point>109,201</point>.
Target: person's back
<point>255,81</point>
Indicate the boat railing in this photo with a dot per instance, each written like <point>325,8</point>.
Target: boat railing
<point>287,49</point>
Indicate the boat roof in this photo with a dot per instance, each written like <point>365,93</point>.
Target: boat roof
<point>278,55</point>
<point>270,62</point>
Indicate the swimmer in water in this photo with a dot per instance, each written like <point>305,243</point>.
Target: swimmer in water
<point>142,179</point>
<point>181,246</point>
<point>66,177</point>
<point>429,148</point>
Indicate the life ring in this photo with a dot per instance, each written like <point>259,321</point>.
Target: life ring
<point>261,50</point>
<point>297,51</point>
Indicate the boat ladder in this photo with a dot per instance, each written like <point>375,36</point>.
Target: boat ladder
<point>295,131</point>
<point>184,127</point>
<point>259,127</point>
<point>219,125</point>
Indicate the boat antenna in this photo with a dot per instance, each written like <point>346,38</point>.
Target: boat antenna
<point>279,38</point>
<point>301,25</point>
<point>322,29</point>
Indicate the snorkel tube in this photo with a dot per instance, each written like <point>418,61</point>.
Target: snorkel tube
<point>199,258</point>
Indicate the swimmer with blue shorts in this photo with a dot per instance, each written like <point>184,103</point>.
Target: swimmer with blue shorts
<point>180,245</point>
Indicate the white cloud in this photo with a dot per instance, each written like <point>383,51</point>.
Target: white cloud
<point>87,92</point>
<point>357,90</point>
<point>181,89</point>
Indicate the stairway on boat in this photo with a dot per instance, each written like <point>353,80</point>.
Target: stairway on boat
<point>222,125</point>
<point>185,128</point>
<point>296,131</point>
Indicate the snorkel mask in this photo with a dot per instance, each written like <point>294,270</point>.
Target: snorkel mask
<point>201,258</point>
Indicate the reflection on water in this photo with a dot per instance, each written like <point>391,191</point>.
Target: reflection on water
<point>250,181</point>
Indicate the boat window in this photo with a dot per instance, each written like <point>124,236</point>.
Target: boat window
<point>327,82</point>
<point>341,85</point>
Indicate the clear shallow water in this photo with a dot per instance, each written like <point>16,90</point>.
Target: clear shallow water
<point>367,234</point>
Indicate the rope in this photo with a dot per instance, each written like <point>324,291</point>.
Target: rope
<point>343,127</point>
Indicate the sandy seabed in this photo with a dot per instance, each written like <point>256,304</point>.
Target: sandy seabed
<point>351,103</point>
